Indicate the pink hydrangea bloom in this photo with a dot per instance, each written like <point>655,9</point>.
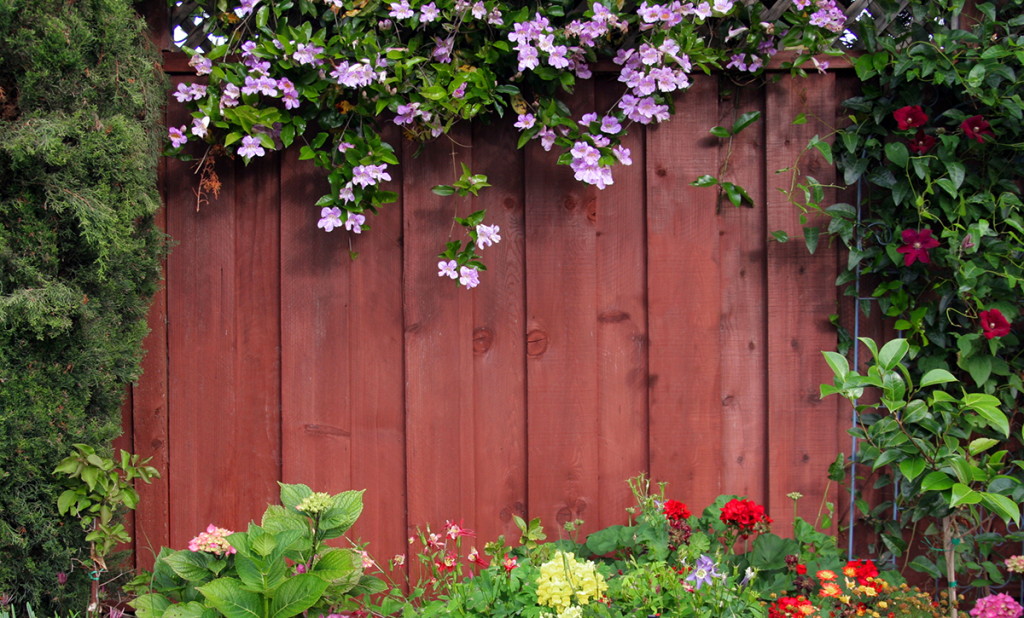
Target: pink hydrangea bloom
<point>997,606</point>
<point>212,541</point>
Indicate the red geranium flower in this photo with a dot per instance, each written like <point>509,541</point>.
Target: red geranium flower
<point>745,515</point>
<point>916,245</point>
<point>801,569</point>
<point>921,143</point>
<point>910,116</point>
<point>676,510</point>
<point>976,126</point>
<point>994,323</point>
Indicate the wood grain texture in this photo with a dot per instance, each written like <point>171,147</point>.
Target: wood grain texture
<point>223,344</point>
<point>561,342</point>
<point>742,247</point>
<point>621,246</point>
<point>802,428</point>
<point>499,346</point>
<point>316,370</point>
<point>377,392</point>
<point>149,403</point>
<point>683,279</point>
<point>440,450</point>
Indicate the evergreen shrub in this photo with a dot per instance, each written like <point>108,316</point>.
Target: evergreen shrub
<point>80,114</point>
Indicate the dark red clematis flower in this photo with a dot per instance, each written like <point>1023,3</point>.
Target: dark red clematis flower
<point>910,116</point>
<point>921,143</point>
<point>994,323</point>
<point>975,127</point>
<point>916,245</point>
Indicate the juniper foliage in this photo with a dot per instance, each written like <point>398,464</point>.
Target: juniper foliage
<point>80,99</point>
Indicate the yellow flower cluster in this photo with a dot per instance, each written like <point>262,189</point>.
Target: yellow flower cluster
<point>564,580</point>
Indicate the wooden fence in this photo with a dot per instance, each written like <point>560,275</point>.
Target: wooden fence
<point>635,329</point>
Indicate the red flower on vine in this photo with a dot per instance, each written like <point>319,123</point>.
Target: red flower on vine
<point>921,143</point>
<point>975,127</point>
<point>910,116</point>
<point>994,323</point>
<point>916,245</point>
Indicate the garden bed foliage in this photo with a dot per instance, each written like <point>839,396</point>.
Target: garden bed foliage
<point>80,100</point>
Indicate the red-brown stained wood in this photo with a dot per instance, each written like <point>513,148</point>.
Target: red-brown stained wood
<point>440,450</point>
<point>149,417</point>
<point>742,246</point>
<point>499,345</point>
<point>377,391</point>
<point>257,346</point>
<point>802,428</point>
<point>316,415</point>
<point>561,342</point>
<point>848,86</point>
<point>124,442</point>
<point>683,278</point>
<point>621,221</point>
<point>223,347</point>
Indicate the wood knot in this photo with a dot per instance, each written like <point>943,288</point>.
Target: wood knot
<point>564,515</point>
<point>413,328</point>
<point>613,316</point>
<point>520,509</point>
<point>569,203</point>
<point>592,209</point>
<point>505,515</point>
<point>509,203</point>
<point>661,171</point>
<point>536,342</point>
<point>325,430</point>
<point>482,340</point>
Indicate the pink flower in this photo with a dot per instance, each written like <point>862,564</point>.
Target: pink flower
<point>212,541</point>
<point>994,324</point>
<point>330,218</point>
<point>177,136</point>
<point>975,127</point>
<point>455,530</point>
<point>475,558</point>
<point>997,606</point>
<point>916,245</point>
<point>911,116</point>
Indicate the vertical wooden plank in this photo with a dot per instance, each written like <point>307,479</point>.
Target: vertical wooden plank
<point>200,320</point>
<point>223,343</point>
<point>316,423</point>
<point>848,86</point>
<point>377,388</point>
<point>124,442</point>
<point>438,342</point>
<point>149,411</point>
<point>561,343</point>
<point>742,247</point>
<point>621,222</point>
<point>157,16</point>
<point>499,349</point>
<point>801,296</point>
<point>255,458</point>
<point>685,300</point>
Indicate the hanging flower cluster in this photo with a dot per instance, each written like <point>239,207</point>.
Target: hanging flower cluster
<point>287,69</point>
